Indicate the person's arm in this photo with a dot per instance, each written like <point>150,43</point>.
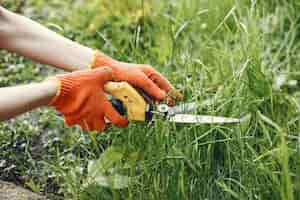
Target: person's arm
<point>79,96</point>
<point>20,99</point>
<point>28,38</point>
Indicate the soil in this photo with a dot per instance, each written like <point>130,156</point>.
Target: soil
<point>9,191</point>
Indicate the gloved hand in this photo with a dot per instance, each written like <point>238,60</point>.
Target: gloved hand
<point>81,99</point>
<point>141,76</point>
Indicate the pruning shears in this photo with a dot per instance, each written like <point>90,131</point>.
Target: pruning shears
<point>139,107</point>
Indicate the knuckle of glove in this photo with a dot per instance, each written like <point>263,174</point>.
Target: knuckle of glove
<point>121,122</point>
<point>117,120</point>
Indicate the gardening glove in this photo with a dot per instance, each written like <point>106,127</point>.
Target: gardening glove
<point>141,76</point>
<point>81,99</point>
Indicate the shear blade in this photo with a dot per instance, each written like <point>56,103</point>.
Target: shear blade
<point>203,119</point>
<point>183,108</point>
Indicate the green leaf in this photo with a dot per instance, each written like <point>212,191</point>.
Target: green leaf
<point>103,171</point>
<point>111,156</point>
<point>131,160</point>
<point>115,181</point>
<point>108,158</point>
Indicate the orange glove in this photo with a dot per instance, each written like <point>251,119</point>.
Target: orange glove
<point>141,76</point>
<point>82,101</point>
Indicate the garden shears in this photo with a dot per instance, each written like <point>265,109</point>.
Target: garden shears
<point>139,107</point>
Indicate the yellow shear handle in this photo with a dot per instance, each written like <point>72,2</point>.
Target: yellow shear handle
<point>133,101</point>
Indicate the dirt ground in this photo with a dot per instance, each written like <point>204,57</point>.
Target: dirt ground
<point>13,192</point>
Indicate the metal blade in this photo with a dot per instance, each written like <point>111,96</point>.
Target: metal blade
<point>183,108</point>
<point>204,119</point>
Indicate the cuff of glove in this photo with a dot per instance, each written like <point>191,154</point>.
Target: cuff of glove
<point>100,60</point>
<point>65,85</point>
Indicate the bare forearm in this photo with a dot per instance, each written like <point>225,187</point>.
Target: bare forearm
<point>20,99</point>
<point>28,38</point>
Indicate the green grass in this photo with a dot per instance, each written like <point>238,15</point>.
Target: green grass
<point>228,51</point>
